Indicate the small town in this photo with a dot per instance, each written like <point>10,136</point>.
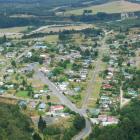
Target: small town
<point>76,81</point>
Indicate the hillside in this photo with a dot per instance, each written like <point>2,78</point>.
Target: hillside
<point>13,124</point>
<point>111,7</point>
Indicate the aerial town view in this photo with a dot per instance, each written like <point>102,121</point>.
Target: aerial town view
<point>69,69</point>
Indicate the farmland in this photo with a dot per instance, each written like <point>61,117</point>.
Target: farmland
<point>111,7</point>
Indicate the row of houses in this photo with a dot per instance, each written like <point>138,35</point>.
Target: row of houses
<point>102,114</point>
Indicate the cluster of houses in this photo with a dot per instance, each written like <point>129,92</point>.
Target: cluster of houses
<point>105,120</point>
<point>84,71</point>
<point>110,95</point>
<point>49,110</point>
<point>108,100</point>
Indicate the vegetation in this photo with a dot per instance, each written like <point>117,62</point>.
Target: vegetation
<point>13,124</point>
<point>76,124</point>
<point>64,131</point>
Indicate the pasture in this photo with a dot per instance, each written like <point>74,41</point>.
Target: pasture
<point>111,7</point>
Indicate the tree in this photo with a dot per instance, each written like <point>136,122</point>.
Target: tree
<point>3,39</point>
<point>58,70</point>
<point>48,97</point>
<point>13,63</point>
<point>41,124</point>
<point>79,122</point>
<point>36,136</point>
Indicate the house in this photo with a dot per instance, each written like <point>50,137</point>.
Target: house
<point>94,111</point>
<point>39,46</point>
<point>110,69</point>
<point>107,86</point>
<point>83,76</point>
<point>10,55</point>
<point>1,91</point>
<point>56,108</point>
<point>2,62</point>
<point>105,100</point>
<point>8,44</point>
<point>1,83</point>
<point>43,91</point>
<point>37,96</point>
<point>110,120</point>
<point>132,92</point>
<point>102,118</point>
<point>29,54</point>
<point>42,106</point>
<point>1,49</point>
<point>63,86</point>
<point>109,77</point>
<point>32,104</point>
<point>10,70</point>
<point>111,62</point>
<point>28,68</point>
<point>77,89</point>
<point>22,103</point>
<point>9,86</point>
<point>110,73</point>
<point>94,120</point>
<point>104,107</point>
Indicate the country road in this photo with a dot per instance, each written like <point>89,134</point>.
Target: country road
<point>91,85</point>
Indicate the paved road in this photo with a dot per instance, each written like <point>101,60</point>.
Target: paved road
<point>55,90</point>
<point>85,132</point>
<point>64,100</point>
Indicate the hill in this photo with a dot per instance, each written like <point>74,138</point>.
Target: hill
<point>110,7</point>
<point>13,124</point>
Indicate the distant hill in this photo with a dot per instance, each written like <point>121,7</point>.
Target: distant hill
<point>109,7</point>
<point>137,1</point>
<point>39,7</point>
<point>53,2</point>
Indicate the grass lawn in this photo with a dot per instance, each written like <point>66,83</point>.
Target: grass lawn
<point>51,38</point>
<point>69,66</point>
<point>112,7</point>
<point>95,94</point>
<point>96,87</point>
<point>23,94</point>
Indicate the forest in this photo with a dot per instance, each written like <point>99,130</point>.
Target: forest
<point>13,124</point>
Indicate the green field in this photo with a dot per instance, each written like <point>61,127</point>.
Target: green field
<point>23,94</point>
<point>111,7</point>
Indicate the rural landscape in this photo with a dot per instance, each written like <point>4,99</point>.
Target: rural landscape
<point>69,70</point>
